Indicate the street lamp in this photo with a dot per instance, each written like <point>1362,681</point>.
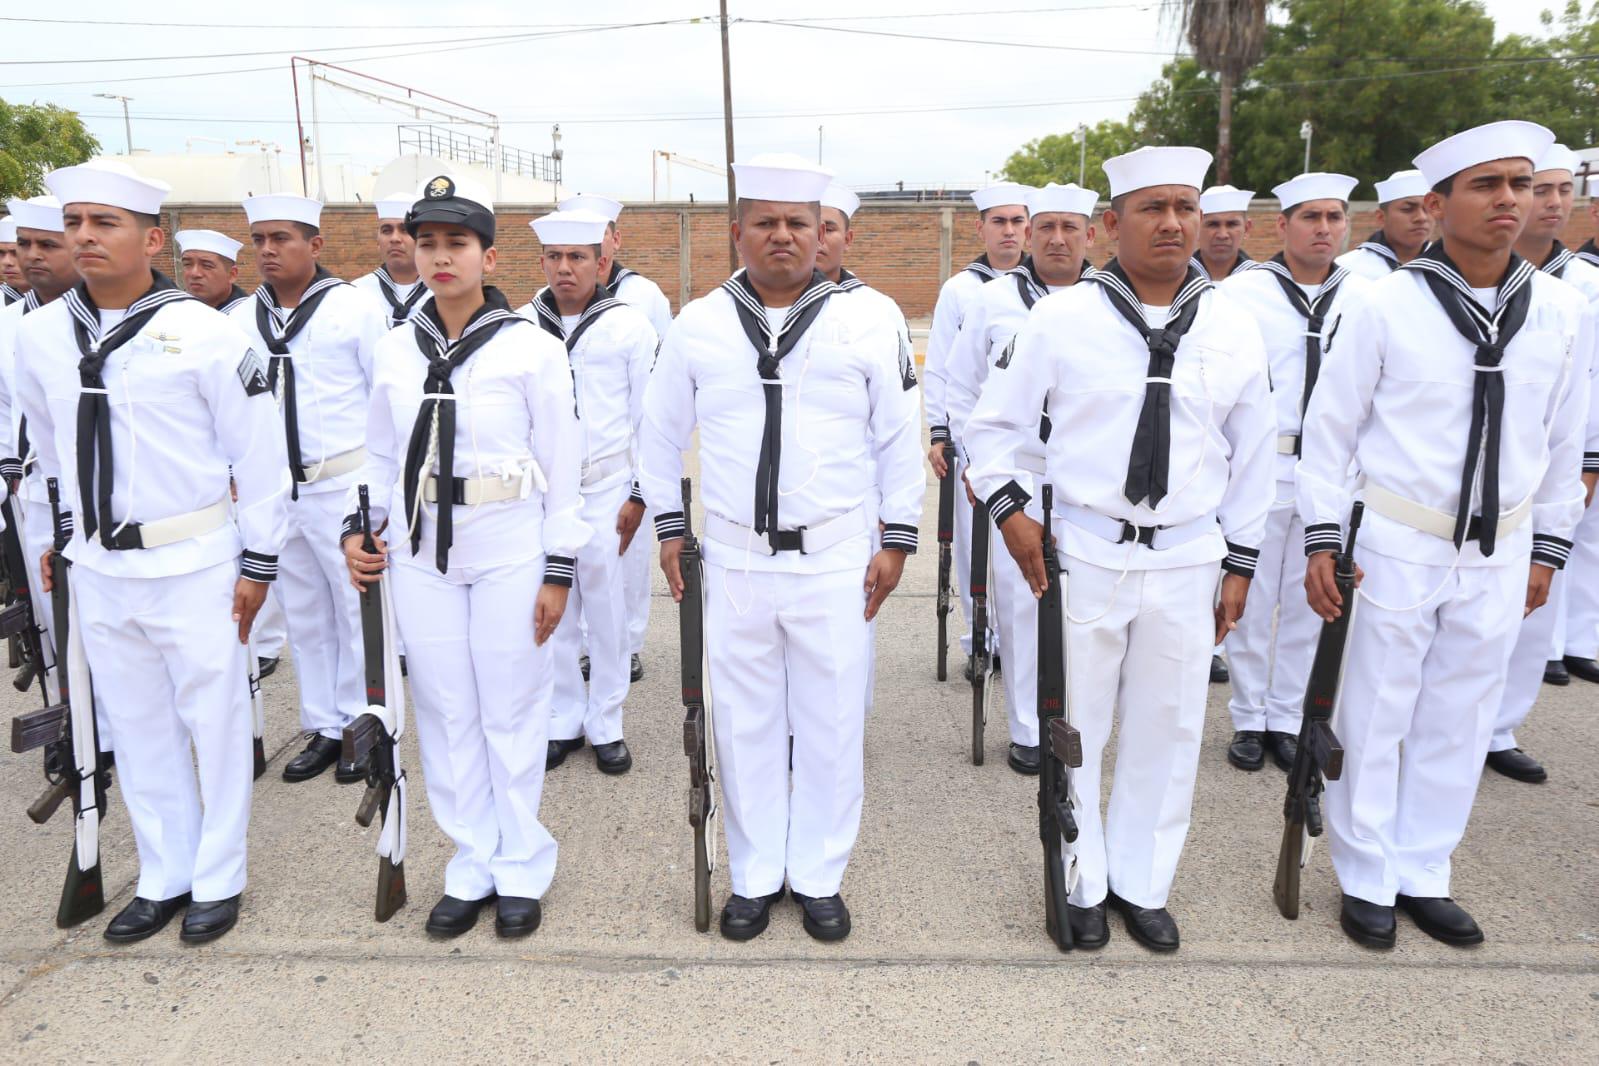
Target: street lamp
<point>127,124</point>
<point>555,155</point>
<point>1082,153</point>
<point>1305,132</point>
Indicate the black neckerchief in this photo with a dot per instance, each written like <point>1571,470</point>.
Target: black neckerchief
<point>1148,464</point>
<point>769,352</point>
<point>980,266</point>
<point>1377,244</point>
<point>235,297</point>
<point>1589,252</point>
<point>278,326</point>
<point>8,295</point>
<point>399,310</point>
<point>619,274</point>
<point>848,282</point>
<point>1557,260</point>
<point>1240,264</point>
<point>1490,334</point>
<point>549,314</point>
<point>1314,312</point>
<point>444,356</point>
<point>94,405</point>
<point>1029,286</point>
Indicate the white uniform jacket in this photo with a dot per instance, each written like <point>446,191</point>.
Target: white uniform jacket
<point>401,303</point>
<point>954,297</point>
<point>642,294</point>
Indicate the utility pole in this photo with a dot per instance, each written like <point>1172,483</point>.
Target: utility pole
<point>1306,131</point>
<point>1082,154</point>
<point>727,130</point>
<point>818,146</point>
<point>127,123</point>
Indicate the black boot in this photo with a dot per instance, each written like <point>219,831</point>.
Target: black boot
<point>1555,673</point>
<point>826,917</point>
<point>516,916</point>
<point>1090,931</point>
<point>1219,674</point>
<point>1283,748</point>
<point>1152,927</point>
<point>559,750</point>
<point>613,758</point>
<point>1023,759</point>
<point>635,669</point>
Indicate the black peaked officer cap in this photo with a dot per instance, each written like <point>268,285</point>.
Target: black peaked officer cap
<point>440,203</point>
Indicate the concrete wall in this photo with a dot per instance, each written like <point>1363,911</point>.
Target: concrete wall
<point>905,250</point>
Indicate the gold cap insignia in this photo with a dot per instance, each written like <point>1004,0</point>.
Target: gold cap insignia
<point>440,188</point>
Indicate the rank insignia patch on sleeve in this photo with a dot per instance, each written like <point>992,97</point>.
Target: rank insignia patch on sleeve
<point>907,365</point>
<point>252,374</point>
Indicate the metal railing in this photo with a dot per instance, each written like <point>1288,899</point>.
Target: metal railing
<point>465,148</point>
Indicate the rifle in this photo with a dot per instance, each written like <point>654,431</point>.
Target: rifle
<point>699,734</point>
<point>1061,746</point>
<point>76,755</point>
<point>982,654</point>
<point>257,704</point>
<point>1320,753</point>
<point>25,640</point>
<point>376,733</point>
<point>946,541</point>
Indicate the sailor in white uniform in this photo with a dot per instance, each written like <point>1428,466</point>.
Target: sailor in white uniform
<point>1224,224</point>
<point>611,348</point>
<point>167,396</point>
<point>1060,230</point>
<point>1403,228</point>
<point>1456,390</point>
<point>641,293</point>
<point>12,285</point>
<point>317,334</point>
<point>1293,297</point>
<point>791,386</point>
<point>395,282</point>
<point>1573,605</point>
<point>1002,229</point>
<point>471,420</point>
<point>1160,452</point>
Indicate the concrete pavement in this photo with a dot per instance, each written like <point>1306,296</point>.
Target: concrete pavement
<point>948,962</point>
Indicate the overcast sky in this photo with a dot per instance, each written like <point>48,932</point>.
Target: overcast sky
<point>892,108</point>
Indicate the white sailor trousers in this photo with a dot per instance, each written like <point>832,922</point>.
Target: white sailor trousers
<point>1578,632</point>
<point>1016,614</point>
<point>597,604</point>
<point>1421,689</point>
<point>788,654</point>
<point>481,690</point>
<point>1269,653</point>
<point>638,577</point>
<point>962,548</point>
<point>323,614</point>
<point>165,659</point>
<point>271,628</point>
<point>1539,632</point>
<point>1143,649</point>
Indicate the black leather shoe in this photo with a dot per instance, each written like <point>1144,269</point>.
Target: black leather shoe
<point>1090,931</point>
<point>613,758</point>
<point>265,666</point>
<point>1283,748</point>
<point>1442,919</point>
<point>1152,927</point>
<point>321,753</point>
<point>583,665</point>
<point>348,773</point>
<point>1555,673</point>
<point>1219,674</point>
<point>451,917</point>
<point>1023,759</point>
<point>559,750</point>
<point>826,917</point>
<point>1248,749</point>
<point>143,918</point>
<point>1370,924</point>
<point>207,921</point>
<point>1517,764</point>
<point>744,918</point>
<point>635,669</point>
<point>1587,669</point>
<point>516,916</point>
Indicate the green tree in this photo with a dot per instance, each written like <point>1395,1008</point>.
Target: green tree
<point>1563,96</point>
<point>36,139</point>
<point>1228,38</point>
<point>1058,156</point>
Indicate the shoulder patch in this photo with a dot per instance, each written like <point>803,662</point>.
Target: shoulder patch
<point>252,374</point>
<point>1332,331</point>
<point>907,365</point>
<point>1003,362</point>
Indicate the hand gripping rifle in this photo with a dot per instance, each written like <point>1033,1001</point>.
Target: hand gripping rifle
<point>699,734</point>
<point>946,544</point>
<point>376,733</point>
<point>982,654</point>
<point>1061,746</point>
<point>25,637</point>
<point>1320,753</point>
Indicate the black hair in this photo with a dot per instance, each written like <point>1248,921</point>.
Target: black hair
<point>1445,187</point>
<point>742,205</point>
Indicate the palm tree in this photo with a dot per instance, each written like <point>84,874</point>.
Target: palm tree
<point>1228,37</point>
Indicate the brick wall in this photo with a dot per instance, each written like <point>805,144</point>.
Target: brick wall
<point>905,250</point>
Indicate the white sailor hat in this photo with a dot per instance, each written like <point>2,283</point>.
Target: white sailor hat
<point>1223,199</point>
<point>1070,198</point>
<point>393,206</point>
<point>40,212</point>
<point>207,240</point>
<point>106,181</point>
<point>1316,185</point>
<point>1401,184</point>
<point>1511,139</point>
<point>1150,166</point>
<point>781,177</point>
<point>447,198</point>
<point>570,227</point>
<point>1001,193</point>
<point>281,207</point>
<point>587,201</point>
<point>1558,157</point>
<point>841,199</point>
<point>8,230</point>
<point>1593,190</point>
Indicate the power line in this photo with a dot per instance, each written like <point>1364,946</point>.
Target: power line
<point>901,35</point>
